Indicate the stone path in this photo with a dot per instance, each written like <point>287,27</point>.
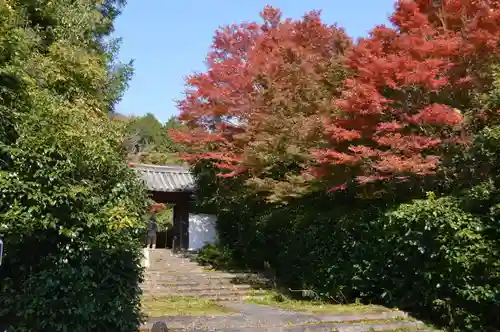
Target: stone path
<point>254,318</point>
<point>168,274</point>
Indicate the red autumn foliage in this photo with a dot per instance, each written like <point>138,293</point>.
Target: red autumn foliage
<point>274,94</point>
<point>157,207</point>
<point>259,102</point>
<point>408,83</point>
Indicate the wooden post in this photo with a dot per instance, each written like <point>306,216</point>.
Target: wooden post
<point>174,244</point>
<point>181,222</point>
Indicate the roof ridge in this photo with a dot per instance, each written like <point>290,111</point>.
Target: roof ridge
<point>168,178</point>
<point>160,167</point>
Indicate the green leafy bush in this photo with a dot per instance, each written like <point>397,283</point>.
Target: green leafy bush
<point>70,206</point>
<point>165,218</point>
<point>430,256</point>
<point>69,217</point>
<point>214,256</point>
<point>440,252</point>
<point>69,221</point>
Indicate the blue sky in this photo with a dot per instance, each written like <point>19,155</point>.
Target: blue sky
<point>168,40</point>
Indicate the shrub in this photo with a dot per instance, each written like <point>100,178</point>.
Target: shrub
<point>438,251</point>
<point>69,218</point>
<point>69,205</point>
<point>428,256</point>
<point>214,255</point>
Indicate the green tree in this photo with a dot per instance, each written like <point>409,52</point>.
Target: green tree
<point>387,142</point>
<point>147,140</point>
<point>144,130</point>
<point>70,208</point>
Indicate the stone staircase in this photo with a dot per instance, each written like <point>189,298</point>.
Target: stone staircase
<point>169,274</point>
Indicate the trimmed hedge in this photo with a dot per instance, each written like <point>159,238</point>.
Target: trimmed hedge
<point>436,257</point>
<point>429,257</point>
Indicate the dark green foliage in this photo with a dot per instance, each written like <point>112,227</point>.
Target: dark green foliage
<point>214,256</point>
<point>147,140</point>
<point>435,257</point>
<point>70,220</point>
<point>70,206</point>
<point>147,129</point>
<point>442,254</point>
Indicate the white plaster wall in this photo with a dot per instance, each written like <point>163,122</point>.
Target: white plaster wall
<point>145,258</point>
<point>201,230</point>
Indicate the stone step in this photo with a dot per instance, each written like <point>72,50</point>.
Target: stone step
<point>178,271</point>
<point>202,293</point>
<point>202,288</point>
<point>190,277</point>
<point>195,284</point>
<point>199,289</point>
<point>316,326</point>
<point>192,280</point>
<point>167,263</point>
<point>214,296</point>
<point>174,272</point>
<point>170,263</point>
<point>170,275</point>
<point>189,282</point>
<point>166,257</point>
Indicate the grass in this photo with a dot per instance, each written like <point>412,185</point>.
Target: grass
<point>411,329</point>
<point>160,306</point>
<point>361,321</point>
<point>375,321</point>
<point>278,300</point>
<point>421,328</point>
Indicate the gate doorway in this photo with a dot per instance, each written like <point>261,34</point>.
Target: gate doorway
<point>172,185</point>
<point>162,239</point>
<point>165,222</point>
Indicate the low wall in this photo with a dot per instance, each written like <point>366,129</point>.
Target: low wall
<point>201,230</point>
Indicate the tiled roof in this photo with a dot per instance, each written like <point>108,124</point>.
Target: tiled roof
<point>165,177</point>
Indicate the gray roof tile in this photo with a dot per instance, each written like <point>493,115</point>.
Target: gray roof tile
<point>167,178</point>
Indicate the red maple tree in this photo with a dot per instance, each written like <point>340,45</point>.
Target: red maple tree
<point>258,108</point>
<point>274,104</point>
<point>410,89</point>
